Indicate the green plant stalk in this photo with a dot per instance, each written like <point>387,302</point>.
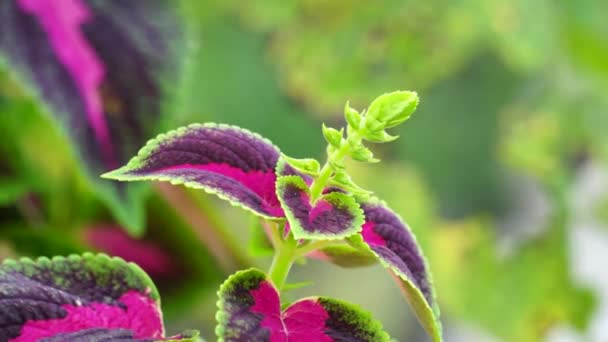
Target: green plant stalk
<point>285,255</point>
<point>313,246</point>
<point>319,184</point>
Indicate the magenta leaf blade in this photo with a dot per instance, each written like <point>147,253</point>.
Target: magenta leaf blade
<point>91,297</point>
<point>233,163</point>
<point>393,243</point>
<point>250,310</point>
<point>335,215</point>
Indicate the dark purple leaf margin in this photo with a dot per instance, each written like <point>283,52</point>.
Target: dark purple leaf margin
<point>87,297</point>
<point>250,310</point>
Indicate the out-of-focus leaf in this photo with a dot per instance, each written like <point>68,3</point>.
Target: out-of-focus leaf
<point>11,190</point>
<point>345,256</point>
<point>517,298</point>
<point>113,240</point>
<point>39,241</point>
<point>328,52</point>
<point>101,69</point>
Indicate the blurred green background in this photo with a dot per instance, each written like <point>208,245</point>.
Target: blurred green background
<point>502,172</point>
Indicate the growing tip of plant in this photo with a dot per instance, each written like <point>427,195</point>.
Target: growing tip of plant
<point>394,108</point>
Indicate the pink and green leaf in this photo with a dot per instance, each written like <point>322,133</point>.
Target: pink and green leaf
<point>100,68</point>
<point>250,310</point>
<point>389,238</point>
<point>335,215</point>
<point>233,163</point>
<point>92,297</point>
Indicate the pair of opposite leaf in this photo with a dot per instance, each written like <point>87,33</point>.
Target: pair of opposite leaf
<point>248,171</point>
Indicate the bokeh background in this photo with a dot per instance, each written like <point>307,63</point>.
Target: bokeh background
<point>502,172</point>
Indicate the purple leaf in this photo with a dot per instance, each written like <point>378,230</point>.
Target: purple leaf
<point>231,162</point>
<point>334,216</point>
<point>250,310</point>
<point>394,244</point>
<point>60,299</point>
<point>97,66</point>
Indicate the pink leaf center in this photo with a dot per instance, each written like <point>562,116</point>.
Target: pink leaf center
<point>370,236</point>
<point>302,321</point>
<point>141,316</point>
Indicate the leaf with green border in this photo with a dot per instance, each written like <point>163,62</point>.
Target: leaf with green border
<point>92,297</point>
<point>335,215</point>
<point>389,238</point>
<point>250,309</point>
<point>231,162</point>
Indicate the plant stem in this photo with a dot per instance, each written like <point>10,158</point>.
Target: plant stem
<point>284,257</point>
<point>319,184</point>
<point>274,232</point>
<point>302,251</point>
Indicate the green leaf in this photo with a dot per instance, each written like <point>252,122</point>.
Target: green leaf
<point>306,165</point>
<point>363,154</point>
<point>393,108</point>
<point>11,190</point>
<point>379,136</point>
<point>353,118</point>
<point>347,256</point>
<point>344,181</point>
<point>333,136</point>
<point>373,125</point>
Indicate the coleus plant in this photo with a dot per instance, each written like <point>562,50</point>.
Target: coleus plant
<point>309,210</point>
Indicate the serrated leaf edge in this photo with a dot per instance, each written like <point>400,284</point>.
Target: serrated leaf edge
<point>299,232</point>
<point>121,174</point>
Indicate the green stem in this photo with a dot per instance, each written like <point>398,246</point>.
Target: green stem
<point>319,184</point>
<point>313,246</point>
<point>275,235</point>
<point>284,257</point>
